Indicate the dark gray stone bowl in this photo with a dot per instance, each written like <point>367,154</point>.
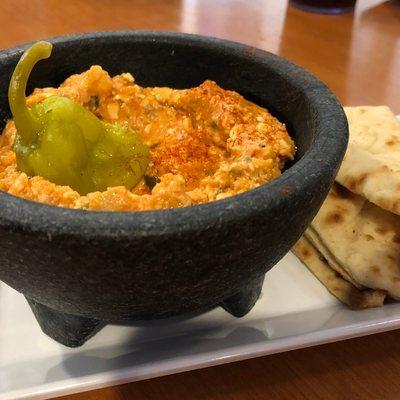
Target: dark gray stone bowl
<point>77,268</point>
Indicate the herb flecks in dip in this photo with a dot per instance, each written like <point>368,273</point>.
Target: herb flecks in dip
<point>205,144</point>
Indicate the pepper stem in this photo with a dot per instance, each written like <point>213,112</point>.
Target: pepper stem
<point>26,123</point>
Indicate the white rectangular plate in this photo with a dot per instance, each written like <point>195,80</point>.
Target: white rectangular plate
<point>294,311</point>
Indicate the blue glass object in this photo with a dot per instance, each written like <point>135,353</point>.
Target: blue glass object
<point>324,6</point>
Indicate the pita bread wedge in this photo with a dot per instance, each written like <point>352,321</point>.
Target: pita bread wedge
<point>363,239</point>
<point>315,241</point>
<point>371,166</point>
<point>345,291</point>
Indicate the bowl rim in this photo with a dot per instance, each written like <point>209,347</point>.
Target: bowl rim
<point>18,214</point>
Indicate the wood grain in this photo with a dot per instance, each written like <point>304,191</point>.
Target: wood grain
<point>358,56</point>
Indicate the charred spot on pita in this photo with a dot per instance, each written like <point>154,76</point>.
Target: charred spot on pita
<point>396,239</point>
<point>334,218</point>
<point>381,230</point>
<point>376,270</point>
<point>305,252</point>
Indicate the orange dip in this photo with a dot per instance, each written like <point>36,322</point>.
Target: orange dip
<point>205,143</point>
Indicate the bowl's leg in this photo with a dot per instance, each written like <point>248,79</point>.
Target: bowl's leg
<point>69,330</point>
<point>72,330</point>
<point>243,301</point>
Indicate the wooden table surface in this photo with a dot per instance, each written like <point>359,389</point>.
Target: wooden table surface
<point>358,56</point>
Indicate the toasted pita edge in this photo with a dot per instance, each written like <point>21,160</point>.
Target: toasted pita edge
<point>343,290</point>
<point>313,238</point>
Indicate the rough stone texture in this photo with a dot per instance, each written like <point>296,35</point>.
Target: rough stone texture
<point>69,330</point>
<point>74,330</point>
<point>243,301</point>
<point>153,264</point>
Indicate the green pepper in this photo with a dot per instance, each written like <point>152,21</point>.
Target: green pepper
<point>67,144</point>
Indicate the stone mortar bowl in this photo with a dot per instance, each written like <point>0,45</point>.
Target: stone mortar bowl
<point>79,268</point>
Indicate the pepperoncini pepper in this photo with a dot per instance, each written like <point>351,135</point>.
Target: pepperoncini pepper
<point>67,144</point>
